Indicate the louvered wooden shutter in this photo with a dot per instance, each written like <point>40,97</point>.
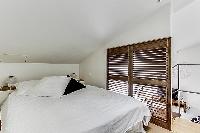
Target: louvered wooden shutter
<point>151,78</point>
<point>143,70</point>
<point>117,69</point>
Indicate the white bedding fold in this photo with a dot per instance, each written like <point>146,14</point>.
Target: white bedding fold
<point>90,110</point>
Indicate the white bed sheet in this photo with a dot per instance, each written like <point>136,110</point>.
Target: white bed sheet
<point>90,110</point>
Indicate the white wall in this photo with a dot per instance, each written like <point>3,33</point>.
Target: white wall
<point>186,33</point>
<point>186,48</point>
<point>93,68</point>
<point>28,71</point>
<point>186,43</point>
<point>179,4</point>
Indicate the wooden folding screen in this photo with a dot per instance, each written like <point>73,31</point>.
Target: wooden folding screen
<point>118,60</point>
<point>143,70</point>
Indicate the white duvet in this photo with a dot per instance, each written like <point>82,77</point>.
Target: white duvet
<point>90,110</point>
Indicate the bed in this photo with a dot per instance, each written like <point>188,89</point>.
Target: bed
<point>89,110</point>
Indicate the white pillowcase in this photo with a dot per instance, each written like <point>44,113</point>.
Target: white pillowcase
<point>23,87</point>
<point>50,86</point>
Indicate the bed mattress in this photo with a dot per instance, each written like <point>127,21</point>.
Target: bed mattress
<point>90,110</point>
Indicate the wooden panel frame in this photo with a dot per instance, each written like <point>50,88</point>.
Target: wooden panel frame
<point>115,51</point>
<point>149,45</point>
<point>154,44</point>
<point>130,71</point>
<point>118,50</point>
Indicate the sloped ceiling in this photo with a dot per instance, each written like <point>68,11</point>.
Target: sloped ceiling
<point>184,26</point>
<point>179,4</point>
<point>65,31</point>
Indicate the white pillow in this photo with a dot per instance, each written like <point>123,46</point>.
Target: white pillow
<point>50,86</point>
<point>23,87</point>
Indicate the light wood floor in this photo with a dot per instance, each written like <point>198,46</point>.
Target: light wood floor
<point>178,126</point>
